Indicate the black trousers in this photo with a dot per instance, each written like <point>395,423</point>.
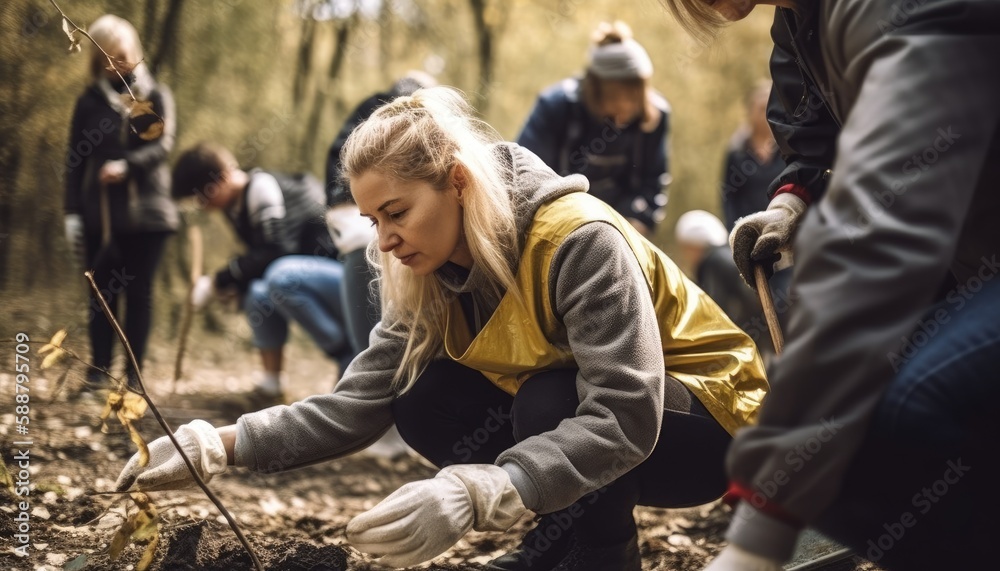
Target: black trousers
<point>448,414</point>
<point>123,269</point>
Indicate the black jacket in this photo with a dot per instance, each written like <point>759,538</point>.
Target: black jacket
<point>804,123</point>
<point>272,226</point>
<point>98,134</point>
<point>627,167</point>
<point>337,191</point>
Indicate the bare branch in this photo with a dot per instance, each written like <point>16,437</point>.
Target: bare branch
<point>166,427</point>
<point>111,60</point>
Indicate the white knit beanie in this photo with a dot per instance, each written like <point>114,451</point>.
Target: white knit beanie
<point>701,228</point>
<point>620,60</point>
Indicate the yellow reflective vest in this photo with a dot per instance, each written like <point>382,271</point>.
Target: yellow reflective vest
<point>702,348</point>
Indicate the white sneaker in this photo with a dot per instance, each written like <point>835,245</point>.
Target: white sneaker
<point>391,446</point>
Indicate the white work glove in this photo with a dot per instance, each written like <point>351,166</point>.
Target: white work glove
<point>762,236</point>
<point>166,469</point>
<point>74,237</point>
<point>734,558</point>
<point>202,292</point>
<point>421,520</point>
<point>349,230</point>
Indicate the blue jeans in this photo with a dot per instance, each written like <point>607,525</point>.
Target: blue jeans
<point>922,492</point>
<point>361,309</point>
<point>303,289</point>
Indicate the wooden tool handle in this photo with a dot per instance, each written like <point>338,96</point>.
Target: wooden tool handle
<point>764,291</point>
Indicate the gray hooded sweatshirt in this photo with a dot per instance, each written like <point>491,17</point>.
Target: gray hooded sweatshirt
<point>594,278</point>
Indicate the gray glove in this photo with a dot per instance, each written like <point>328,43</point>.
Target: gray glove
<point>166,469</point>
<point>74,237</point>
<point>422,519</point>
<point>761,237</point>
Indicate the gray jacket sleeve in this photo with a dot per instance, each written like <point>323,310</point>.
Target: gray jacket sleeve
<point>328,426</point>
<point>600,294</point>
<point>922,99</point>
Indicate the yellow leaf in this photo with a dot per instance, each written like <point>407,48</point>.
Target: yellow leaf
<point>142,525</point>
<point>133,407</point>
<point>120,540</point>
<point>5,479</point>
<point>153,132</point>
<point>139,443</point>
<point>147,556</point>
<point>58,338</point>
<point>114,403</point>
<point>52,358</point>
<point>147,526</point>
<point>54,343</point>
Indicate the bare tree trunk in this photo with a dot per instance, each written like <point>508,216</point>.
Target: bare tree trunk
<point>166,52</point>
<point>303,63</point>
<point>149,23</point>
<point>385,37</point>
<point>486,34</point>
<point>11,160</point>
<point>320,101</point>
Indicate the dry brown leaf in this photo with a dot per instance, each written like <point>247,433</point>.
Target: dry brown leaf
<point>153,132</point>
<point>140,108</point>
<point>74,44</point>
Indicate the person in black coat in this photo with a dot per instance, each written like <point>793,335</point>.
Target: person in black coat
<point>752,161</point>
<point>117,194</point>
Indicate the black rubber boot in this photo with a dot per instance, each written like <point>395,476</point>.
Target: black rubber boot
<point>542,548</point>
<point>622,556</point>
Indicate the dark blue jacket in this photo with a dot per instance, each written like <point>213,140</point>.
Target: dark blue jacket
<point>627,167</point>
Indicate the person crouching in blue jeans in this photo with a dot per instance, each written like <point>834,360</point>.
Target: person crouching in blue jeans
<point>289,271</point>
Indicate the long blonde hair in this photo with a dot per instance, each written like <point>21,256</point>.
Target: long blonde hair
<point>697,17</point>
<point>424,137</point>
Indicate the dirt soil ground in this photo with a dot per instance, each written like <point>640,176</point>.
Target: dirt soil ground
<point>295,520</point>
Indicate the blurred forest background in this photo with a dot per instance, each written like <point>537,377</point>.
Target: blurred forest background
<point>274,80</point>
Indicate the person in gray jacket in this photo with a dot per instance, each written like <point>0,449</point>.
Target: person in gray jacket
<point>881,427</point>
<point>532,344</point>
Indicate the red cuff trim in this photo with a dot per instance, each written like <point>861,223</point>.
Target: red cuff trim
<point>759,502</point>
<point>797,190</point>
